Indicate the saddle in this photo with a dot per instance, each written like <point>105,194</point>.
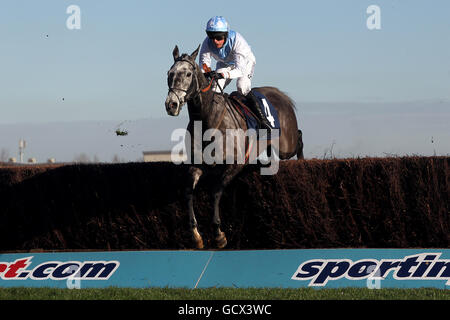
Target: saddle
<point>241,104</point>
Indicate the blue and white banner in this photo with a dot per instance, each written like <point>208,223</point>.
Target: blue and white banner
<point>318,268</point>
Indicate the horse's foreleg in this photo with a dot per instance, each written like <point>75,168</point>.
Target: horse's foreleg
<point>228,175</point>
<point>221,240</point>
<point>195,174</point>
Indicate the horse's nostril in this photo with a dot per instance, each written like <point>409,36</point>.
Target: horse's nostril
<point>173,105</point>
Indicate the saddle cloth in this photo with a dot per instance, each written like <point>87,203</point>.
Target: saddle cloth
<point>241,103</point>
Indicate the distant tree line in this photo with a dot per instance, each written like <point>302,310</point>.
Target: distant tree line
<point>79,158</point>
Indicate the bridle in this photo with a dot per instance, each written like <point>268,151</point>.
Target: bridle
<point>198,90</point>
<point>187,91</point>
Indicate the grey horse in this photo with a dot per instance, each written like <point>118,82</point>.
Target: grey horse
<point>187,84</point>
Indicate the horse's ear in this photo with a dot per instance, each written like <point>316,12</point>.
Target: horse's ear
<point>175,53</point>
<point>195,53</point>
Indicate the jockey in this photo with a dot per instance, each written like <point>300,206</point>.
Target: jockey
<point>235,60</point>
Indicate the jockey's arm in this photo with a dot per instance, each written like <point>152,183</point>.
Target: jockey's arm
<point>241,53</point>
<point>236,70</point>
<point>230,73</point>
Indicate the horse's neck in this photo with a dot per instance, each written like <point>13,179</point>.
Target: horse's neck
<point>206,108</point>
<point>203,107</point>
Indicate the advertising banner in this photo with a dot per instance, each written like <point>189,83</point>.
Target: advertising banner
<point>317,268</point>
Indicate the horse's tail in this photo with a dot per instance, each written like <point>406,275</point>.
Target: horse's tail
<point>300,145</point>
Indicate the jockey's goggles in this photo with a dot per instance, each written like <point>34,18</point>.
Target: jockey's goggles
<point>217,35</point>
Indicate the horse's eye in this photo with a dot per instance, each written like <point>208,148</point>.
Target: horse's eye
<point>189,74</point>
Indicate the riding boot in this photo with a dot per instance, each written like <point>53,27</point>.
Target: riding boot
<point>254,106</point>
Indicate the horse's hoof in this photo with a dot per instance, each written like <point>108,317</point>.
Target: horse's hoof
<point>199,243</point>
<point>221,240</point>
<point>197,239</point>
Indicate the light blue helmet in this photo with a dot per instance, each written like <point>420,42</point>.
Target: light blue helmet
<point>217,24</point>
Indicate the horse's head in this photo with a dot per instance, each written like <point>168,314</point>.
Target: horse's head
<point>182,81</point>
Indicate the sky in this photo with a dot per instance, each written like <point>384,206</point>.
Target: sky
<point>321,53</point>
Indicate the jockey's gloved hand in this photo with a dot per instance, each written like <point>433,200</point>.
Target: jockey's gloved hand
<point>214,74</point>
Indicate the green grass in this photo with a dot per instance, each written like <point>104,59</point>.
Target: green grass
<point>222,294</point>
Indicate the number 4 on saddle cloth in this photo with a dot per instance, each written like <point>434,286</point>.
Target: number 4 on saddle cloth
<point>242,105</point>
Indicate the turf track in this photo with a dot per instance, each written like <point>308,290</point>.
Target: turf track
<point>223,294</point>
